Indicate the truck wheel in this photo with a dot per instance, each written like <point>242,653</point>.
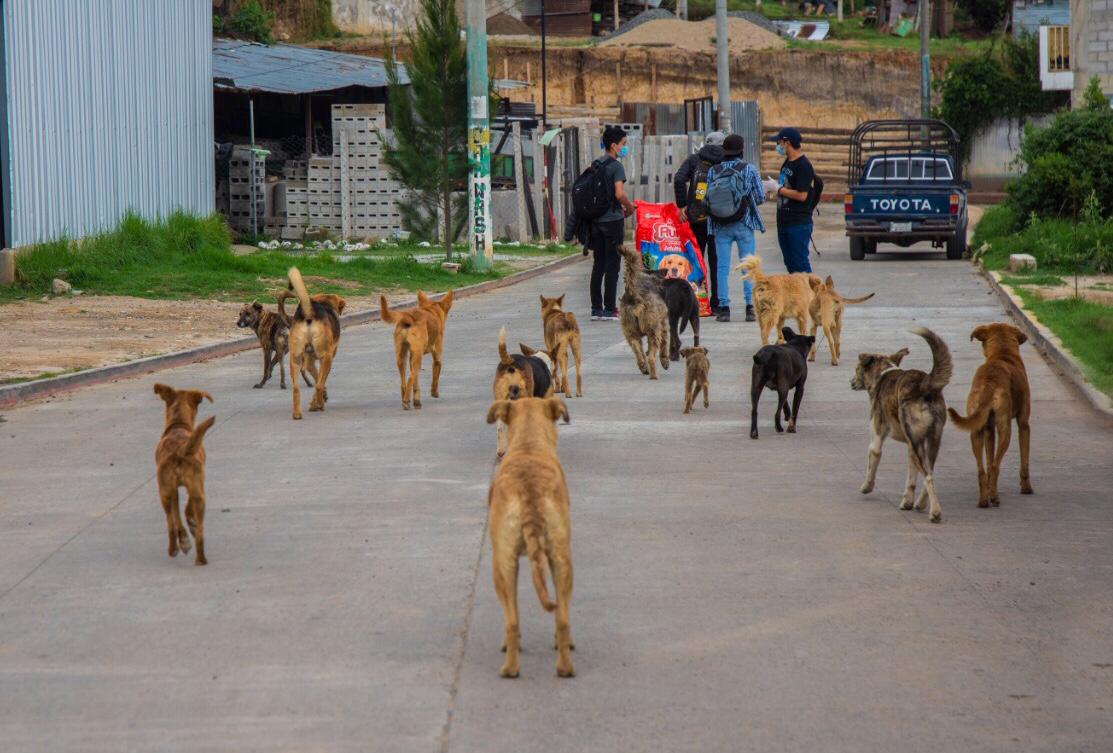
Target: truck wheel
<point>857,248</point>
<point>956,244</point>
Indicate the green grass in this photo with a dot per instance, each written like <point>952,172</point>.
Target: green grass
<point>186,257</point>
<point>1086,328</point>
<point>43,375</point>
<point>1060,246</point>
<point>1038,278</point>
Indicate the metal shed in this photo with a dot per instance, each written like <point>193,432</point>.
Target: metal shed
<point>105,107</point>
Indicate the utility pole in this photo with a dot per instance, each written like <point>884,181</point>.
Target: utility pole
<point>682,9</point>
<point>544,67</point>
<point>840,9</point>
<point>479,139</point>
<point>722,50</point>
<point>925,62</point>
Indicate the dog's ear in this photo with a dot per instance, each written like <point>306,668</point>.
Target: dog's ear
<point>979,333</point>
<point>446,301</point>
<point>703,350</point>
<point>897,357</point>
<point>787,333</point>
<point>499,411</point>
<point>829,282</point>
<point>196,396</point>
<point>256,305</point>
<point>865,359</point>
<point>340,304</point>
<point>526,350</point>
<point>1021,338</point>
<point>542,300</point>
<point>166,392</point>
<point>560,300</point>
<point>556,409</point>
<point>685,352</point>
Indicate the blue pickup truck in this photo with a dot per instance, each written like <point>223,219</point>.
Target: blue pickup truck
<point>905,187</point>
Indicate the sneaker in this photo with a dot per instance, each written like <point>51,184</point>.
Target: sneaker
<point>750,314</point>
<point>724,314</point>
<point>609,316</point>
<point>596,314</point>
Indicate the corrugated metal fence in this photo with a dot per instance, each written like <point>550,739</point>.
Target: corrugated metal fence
<point>109,108</point>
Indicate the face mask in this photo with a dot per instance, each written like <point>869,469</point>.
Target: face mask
<point>625,150</point>
<point>780,150</point>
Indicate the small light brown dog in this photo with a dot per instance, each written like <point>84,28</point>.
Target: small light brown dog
<point>826,311</point>
<point>314,336</point>
<point>416,332</point>
<point>562,334</point>
<point>696,367</point>
<point>779,297</point>
<point>527,512</point>
<point>998,395</point>
<point>180,461</point>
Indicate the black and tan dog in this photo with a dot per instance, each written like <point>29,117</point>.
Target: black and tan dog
<point>418,331</point>
<point>314,336</point>
<point>525,375</point>
<point>180,461</point>
<point>781,368</point>
<point>562,335</point>
<point>696,368</point>
<point>527,513</point>
<point>999,395</point>
<point>683,306</point>
<point>908,404</point>
<point>272,329</point>
<point>643,314</point>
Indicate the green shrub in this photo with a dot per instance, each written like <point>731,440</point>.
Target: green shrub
<point>997,222</point>
<point>987,15</point>
<point>1060,246</point>
<point>254,22</point>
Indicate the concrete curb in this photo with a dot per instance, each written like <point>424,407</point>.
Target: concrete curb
<point>15,394</point>
<point>1048,344</point>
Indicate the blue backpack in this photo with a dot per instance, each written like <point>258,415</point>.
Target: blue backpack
<point>727,198</point>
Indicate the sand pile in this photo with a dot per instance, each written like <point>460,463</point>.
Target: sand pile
<point>697,36</point>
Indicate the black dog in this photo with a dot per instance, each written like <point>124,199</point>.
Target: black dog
<point>683,308</point>
<point>781,368</point>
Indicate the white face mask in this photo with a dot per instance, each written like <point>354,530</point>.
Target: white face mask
<point>781,150</point>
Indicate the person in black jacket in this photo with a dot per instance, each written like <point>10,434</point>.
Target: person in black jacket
<point>686,184</point>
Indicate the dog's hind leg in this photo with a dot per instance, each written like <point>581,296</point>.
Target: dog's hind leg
<point>977,446</point>
<point>925,458</point>
<point>169,499</point>
<point>662,344</point>
<point>278,356</point>
<point>873,457</point>
<point>674,336</point>
<point>797,396</point>
<point>566,382</point>
<point>635,344</point>
<point>910,482</point>
<point>815,345</point>
<point>690,390</point>
<point>400,359</point>
<point>295,393</point>
<point>435,384</point>
<point>320,394</point>
<point>1004,431</point>
<point>561,568</point>
<point>504,567</point>
<point>832,343</point>
<point>706,399</point>
<point>575,345</point>
<point>195,516</point>
<point>1025,436</point>
<point>782,404</point>
<point>415,372</point>
<point>694,321</point>
<point>267,366</point>
<point>756,386</point>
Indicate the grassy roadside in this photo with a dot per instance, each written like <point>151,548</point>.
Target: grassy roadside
<point>1062,248</point>
<point>186,257</point>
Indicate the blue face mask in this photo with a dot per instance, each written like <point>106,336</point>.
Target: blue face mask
<point>781,150</point>
<point>624,151</point>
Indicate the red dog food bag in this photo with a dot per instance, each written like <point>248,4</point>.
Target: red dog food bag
<point>667,243</point>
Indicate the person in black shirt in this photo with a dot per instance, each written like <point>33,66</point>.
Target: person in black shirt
<point>791,190</point>
<point>607,230</point>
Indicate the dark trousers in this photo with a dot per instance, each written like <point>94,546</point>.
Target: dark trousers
<point>794,240</point>
<point>605,239</point>
<point>707,250</point>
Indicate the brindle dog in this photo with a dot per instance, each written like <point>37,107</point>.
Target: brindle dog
<point>273,330</point>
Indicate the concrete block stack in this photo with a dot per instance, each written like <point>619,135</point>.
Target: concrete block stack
<point>241,175</point>
<point>366,196</point>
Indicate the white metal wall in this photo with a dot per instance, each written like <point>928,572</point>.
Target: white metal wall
<point>109,108</point>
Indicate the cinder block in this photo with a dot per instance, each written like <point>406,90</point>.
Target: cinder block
<point>1022,263</point>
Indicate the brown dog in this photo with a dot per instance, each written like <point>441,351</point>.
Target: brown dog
<point>998,394</point>
<point>180,461</point>
<point>314,336</point>
<point>779,297</point>
<point>417,332</point>
<point>527,512</point>
<point>696,367</point>
<point>643,314</point>
<point>826,311</point>
<point>562,334</point>
<point>909,405</point>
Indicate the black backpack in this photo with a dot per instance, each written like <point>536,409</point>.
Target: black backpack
<point>697,193</point>
<point>592,193</point>
<point>816,192</point>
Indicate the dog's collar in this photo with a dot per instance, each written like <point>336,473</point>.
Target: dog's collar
<point>886,371</point>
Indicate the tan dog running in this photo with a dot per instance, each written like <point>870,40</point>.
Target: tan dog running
<point>527,512</point>
<point>418,331</point>
<point>643,314</point>
<point>314,336</point>
<point>562,334</point>
<point>779,297</point>
<point>998,395</point>
<point>826,311</point>
<point>180,461</point>
<point>696,368</point>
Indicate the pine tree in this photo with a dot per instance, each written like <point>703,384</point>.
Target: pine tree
<point>429,118</point>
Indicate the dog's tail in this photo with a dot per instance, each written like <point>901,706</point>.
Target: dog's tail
<point>942,367</point>
<point>976,419</point>
<point>282,296</point>
<point>762,356</point>
<point>189,449</point>
<point>863,299</point>
<point>298,286</point>
<point>751,269</point>
<point>504,354</point>
<point>536,556</point>
<point>391,317</point>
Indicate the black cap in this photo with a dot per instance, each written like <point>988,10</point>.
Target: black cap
<point>791,134</point>
<point>733,145</point>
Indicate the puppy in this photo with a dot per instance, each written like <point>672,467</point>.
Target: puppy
<point>314,336</point>
<point>643,314</point>
<point>180,461</point>
<point>683,305</point>
<point>779,297</point>
<point>417,332</point>
<point>909,405</point>
<point>781,368</point>
<point>562,334</point>
<point>527,512</point>
<point>826,311</point>
<point>526,375</point>
<point>998,395</point>
<point>696,367</point>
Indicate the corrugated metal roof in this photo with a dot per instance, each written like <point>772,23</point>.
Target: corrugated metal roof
<point>286,69</point>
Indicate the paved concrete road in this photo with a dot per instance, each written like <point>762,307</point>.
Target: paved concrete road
<point>730,594</point>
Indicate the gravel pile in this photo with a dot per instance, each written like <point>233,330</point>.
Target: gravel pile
<point>652,14</point>
<point>754,18</point>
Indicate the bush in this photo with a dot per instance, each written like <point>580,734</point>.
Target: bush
<point>1064,246</point>
<point>253,22</point>
<point>987,15</point>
